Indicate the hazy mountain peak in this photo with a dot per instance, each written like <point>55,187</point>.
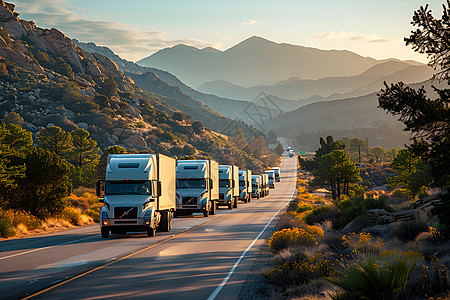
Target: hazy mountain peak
<point>211,50</point>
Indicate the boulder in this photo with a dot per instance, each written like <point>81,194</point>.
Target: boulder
<point>135,141</point>
<point>83,125</point>
<point>106,62</point>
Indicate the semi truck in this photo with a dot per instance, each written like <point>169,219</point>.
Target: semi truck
<point>138,194</point>
<point>265,184</point>
<point>271,174</point>
<point>197,187</point>
<point>257,186</point>
<point>245,185</point>
<point>277,171</point>
<point>228,186</point>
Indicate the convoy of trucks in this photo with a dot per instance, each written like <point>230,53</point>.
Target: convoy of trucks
<point>138,195</point>
<point>197,187</point>
<point>141,192</point>
<point>228,186</point>
<point>245,185</point>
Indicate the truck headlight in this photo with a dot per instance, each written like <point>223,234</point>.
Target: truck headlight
<point>105,219</point>
<point>148,217</point>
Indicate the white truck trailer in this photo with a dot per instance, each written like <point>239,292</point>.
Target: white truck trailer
<point>245,185</point>
<point>228,186</point>
<point>197,186</point>
<point>271,174</point>
<point>265,184</point>
<point>277,171</point>
<point>139,194</point>
<point>257,186</point>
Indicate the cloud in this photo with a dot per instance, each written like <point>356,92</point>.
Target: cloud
<point>129,42</point>
<point>345,35</point>
<point>250,22</point>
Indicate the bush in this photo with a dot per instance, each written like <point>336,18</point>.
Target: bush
<point>6,227</point>
<point>362,243</point>
<point>71,214</point>
<point>372,279</point>
<point>95,215</point>
<point>300,270</point>
<point>29,221</point>
<point>303,208</point>
<point>291,238</point>
<point>408,231</point>
<point>321,214</point>
<point>289,221</point>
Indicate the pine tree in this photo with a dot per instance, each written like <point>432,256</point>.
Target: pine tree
<point>56,140</point>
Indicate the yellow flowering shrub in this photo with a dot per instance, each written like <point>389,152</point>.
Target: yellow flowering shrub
<point>291,237</point>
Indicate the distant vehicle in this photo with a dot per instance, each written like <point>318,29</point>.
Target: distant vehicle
<point>228,186</point>
<point>197,186</point>
<point>291,153</point>
<point>256,186</point>
<point>265,184</point>
<point>139,194</point>
<point>288,149</point>
<point>245,185</point>
<point>277,173</point>
<point>271,174</point>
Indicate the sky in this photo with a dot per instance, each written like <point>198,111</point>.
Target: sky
<point>135,29</point>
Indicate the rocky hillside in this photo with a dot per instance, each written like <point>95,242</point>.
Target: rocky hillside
<point>161,82</point>
<point>45,79</point>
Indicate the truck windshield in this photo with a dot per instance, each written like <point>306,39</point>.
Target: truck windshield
<point>255,186</point>
<point>128,188</point>
<point>270,175</point>
<point>191,183</point>
<point>241,183</point>
<point>224,183</point>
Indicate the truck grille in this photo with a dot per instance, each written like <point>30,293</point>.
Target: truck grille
<point>189,200</point>
<point>125,212</point>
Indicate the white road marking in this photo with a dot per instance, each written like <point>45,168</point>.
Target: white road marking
<point>47,247</point>
<point>219,288</point>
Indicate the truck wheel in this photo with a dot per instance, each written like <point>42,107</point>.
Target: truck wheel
<point>175,214</point>
<point>206,213</point>
<point>164,224</point>
<point>249,198</point>
<point>105,232</point>
<point>213,208</point>
<point>230,206</point>
<point>235,203</point>
<point>151,231</point>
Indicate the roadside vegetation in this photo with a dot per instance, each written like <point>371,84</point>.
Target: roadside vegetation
<point>382,231</point>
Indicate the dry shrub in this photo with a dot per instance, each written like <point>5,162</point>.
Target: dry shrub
<point>300,270</point>
<point>294,237</point>
<point>82,198</point>
<point>51,224</point>
<point>362,244</point>
<point>6,227</point>
<point>72,215</point>
<point>321,214</point>
<point>93,214</point>
<point>21,229</point>
<point>289,221</point>
<point>408,231</point>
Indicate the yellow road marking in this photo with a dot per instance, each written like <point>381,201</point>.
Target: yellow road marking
<point>117,260</point>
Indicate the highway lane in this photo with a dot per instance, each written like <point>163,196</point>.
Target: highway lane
<point>192,264</point>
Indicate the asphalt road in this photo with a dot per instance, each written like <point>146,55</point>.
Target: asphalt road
<point>200,258</point>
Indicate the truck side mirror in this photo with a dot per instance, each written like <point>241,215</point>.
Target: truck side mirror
<point>99,188</point>
<point>211,183</point>
<point>156,186</point>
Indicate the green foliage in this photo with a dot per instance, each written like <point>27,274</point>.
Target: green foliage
<point>56,140</point>
<point>85,150</point>
<point>71,214</point>
<point>46,183</point>
<point>378,152</point>
<point>356,208</point>
<point>359,148</point>
<point>13,118</point>
<point>321,214</point>
<point>372,279</point>
<point>336,170</point>
<point>413,172</point>
<point>197,126</point>
<point>6,227</point>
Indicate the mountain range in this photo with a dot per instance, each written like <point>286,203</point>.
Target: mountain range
<point>256,61</point>
<point>294,88</point>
